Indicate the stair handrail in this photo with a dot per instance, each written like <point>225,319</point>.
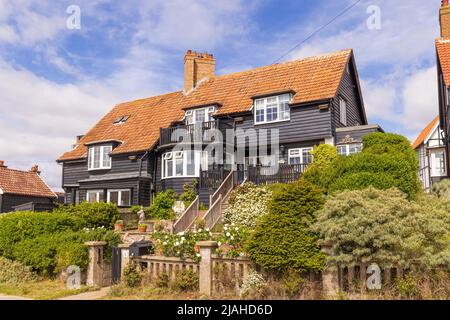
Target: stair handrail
<point>220,191</point>
<point>213,214</point>
<point>188,217</point>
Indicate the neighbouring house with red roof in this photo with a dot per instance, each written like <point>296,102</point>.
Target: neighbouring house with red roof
<point>24,190</point>
<point>209,134</point>
<point>430,150</point>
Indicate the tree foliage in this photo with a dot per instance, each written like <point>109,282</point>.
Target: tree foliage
<point>386,161</point>
<point>282,239</point>
<point>94,215</point>
<point>382,226</point>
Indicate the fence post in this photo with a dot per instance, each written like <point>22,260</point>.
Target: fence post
<point>330,278</point>
<point>124,256</point>
<point>95,268</point>
<point>205,272</point>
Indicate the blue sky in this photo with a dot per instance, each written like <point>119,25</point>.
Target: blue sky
<point>55,83</point>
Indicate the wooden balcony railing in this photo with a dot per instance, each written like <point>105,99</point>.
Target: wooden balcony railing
<point>191,133</point>
<point>213,178</point>
<point>284,173</point>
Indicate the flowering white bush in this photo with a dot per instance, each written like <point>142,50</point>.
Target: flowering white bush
<point>182,244</point>
<point>232,238</point>
<point>254,285</point>
<point>247,204</point>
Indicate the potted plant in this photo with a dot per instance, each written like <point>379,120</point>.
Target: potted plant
<point>142,227</point>
<point>118,226</point>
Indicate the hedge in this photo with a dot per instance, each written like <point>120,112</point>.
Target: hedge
<point>18,226</point>
<point>94,215</point>
<point>52,253</point>
<point>282,239</point>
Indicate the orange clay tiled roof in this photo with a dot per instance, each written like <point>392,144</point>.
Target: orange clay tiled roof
<point>26,183</point>
<point>311,79</point>
<point>443,51</point>
<point>425,133</point>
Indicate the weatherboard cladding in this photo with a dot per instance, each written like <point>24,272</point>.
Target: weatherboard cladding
<point>9,201</point>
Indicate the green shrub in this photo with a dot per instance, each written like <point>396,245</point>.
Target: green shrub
<point>52,253</point>
<point>282,239</point>
<point>441,189</point>
<point>386,161</point>
<point>13,272</point>
<point>135,209</point>
<point>324,155</point>
<point>131,276</point>
<point>186,280</point>
<point>382,226</point>
<point>162,281</point>
<point>292,283</point>
<point>408,287</point>
<point>246,204</point>
<point>94,215</point>
<point>188,195</point>
<point>161,207</point>
<point>233,237</point>
<point>18,226</point>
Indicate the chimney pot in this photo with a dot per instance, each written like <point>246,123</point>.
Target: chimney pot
<point>35,169</point>
<point>444,3</point>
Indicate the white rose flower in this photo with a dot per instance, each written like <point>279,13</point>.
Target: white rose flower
<point>177,244</point>
<point>200,230</point>
<point>181,233</point>
<point>219,243</point>
<point>232,238</point>
<point>207,229</point>
<point>228,234</point>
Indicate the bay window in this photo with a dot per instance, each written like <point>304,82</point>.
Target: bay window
<point>272,109</point>
<point>121,198</point>
<point>181,164</point>
<point>99,158</point>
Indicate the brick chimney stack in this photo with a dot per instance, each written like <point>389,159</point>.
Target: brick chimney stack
<point>197,67</point>
<point>2,165</point>
<point>444,19</point>
<point>35,169</point>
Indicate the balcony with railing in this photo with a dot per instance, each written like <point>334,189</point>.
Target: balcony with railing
<point>283,173</point>
<point>192,133</point>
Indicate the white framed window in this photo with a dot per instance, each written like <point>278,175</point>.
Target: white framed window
<point>181,164</point>
<point>438,168</point>
<point>300,156</point>
<point>93,196</point>
<point>199,115</point>
<point>348,149</point>
<point>121,197</point>
<point>99,158</point>
<point>343,110</point>
<point>272,109</point>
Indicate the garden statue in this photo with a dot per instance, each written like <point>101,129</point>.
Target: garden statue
<point>141,214</point>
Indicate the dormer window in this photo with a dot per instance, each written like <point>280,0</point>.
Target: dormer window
<point>99,157</point>
<point>272,109</point>
<point>199,115</point>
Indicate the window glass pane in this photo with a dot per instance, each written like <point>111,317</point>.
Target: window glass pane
<point>106,157</point>
<point>179,167</point>
<point>285,112</point>
<point>272,113</point>
<point>125,198</point>
<point>354,148</point>
<point>294,160</point>
<point>199,116</point>
<point>272,100</point>
<point>190,166</point>
<point>114,197</point>
<point>342,150</point>
<point>96,157</point>
<point>169,165</point>
<point>100,196</point>
<point>260,115</point>
<point>285,98</point>
<point>343,111</point>
<point>91,197</point>
<point>307,157</point>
